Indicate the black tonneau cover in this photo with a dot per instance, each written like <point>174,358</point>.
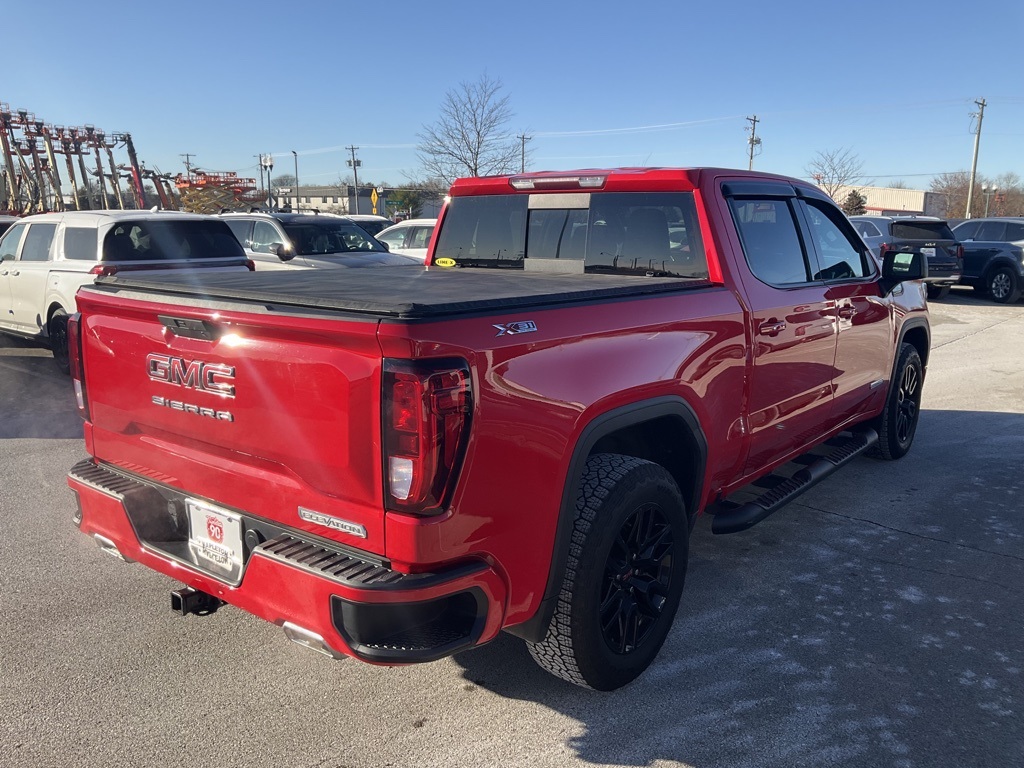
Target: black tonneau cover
<point>397,292</point>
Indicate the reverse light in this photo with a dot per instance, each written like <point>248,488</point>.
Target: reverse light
<point>426,409</point>
<point>557,182</point>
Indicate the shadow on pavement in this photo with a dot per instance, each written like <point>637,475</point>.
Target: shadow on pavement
<point>36,399</point>
<point>875,621</point>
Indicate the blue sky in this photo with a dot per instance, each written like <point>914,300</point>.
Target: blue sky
<point>597,84</point>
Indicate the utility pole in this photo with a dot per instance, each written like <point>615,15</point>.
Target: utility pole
<point>980,114</point>
<point>354,165</point>
<point>753,141</point>
<point>522,157</point>
<point>188,164</point>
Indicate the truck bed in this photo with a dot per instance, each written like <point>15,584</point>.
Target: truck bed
<point>406,293</point>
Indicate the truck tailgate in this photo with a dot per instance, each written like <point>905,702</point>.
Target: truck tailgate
<point>248,409</point>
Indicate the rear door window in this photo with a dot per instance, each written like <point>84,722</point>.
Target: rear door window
<point>866,229</point>
<point>38,241</point>
<point>771,244</point>
<point>992,230</point>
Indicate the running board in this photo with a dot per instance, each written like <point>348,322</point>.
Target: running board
<point>743,516</point>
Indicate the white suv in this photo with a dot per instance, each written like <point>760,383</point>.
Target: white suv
<point>44,259</point>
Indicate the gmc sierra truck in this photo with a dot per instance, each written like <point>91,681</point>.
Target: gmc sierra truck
<point>517,436</point>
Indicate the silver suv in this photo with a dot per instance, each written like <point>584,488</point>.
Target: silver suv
<point>45,258</point>
<point>320,240</point>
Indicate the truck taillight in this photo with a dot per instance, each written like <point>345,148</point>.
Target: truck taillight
<point>75,362</point>
<point>960,251</point>
<point>426,414</point>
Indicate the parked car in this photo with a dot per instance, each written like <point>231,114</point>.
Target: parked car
<point>993,256</point>
<point>410,237</point>
<point>46,258</point>
<point>925,233</point>
<point>370,222</point>
<point>291,240</point>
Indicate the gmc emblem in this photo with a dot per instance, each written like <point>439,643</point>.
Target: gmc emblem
<point>192,374</point>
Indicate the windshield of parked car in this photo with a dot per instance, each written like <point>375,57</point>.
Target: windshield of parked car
<point>643,233</point>
<point>321,237</point>
<point>170,240</point>
<point>922,230</point>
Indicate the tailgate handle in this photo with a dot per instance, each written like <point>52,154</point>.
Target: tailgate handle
<point>189,328</point>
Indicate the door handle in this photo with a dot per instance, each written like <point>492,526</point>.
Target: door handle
<point>847,312</point>
<point>14,274</point>
<point>771,328</point>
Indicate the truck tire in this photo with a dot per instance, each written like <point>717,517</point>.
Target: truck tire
<point>57,330</point>
<point>1003,286</point>
<point>898,422</point>
<point>624,574</point>
<point>937,292</point>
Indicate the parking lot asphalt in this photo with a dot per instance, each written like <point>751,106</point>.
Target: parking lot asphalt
<point>874,622</point>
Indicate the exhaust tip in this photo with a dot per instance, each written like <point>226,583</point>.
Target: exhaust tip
<point>110,548</point>
<point>309,639</point>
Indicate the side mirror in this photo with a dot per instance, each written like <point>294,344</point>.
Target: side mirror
<point>900,267</point>
<point>283,252</point>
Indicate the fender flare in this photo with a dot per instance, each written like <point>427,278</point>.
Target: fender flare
<point>600,426</point>
<point>909,325</point>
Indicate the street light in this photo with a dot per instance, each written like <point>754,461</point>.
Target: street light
<point>267,161</point>
<point>296,156</point>
<point>988,191</point>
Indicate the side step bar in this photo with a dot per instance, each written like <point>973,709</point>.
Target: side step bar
<point>739,518</point>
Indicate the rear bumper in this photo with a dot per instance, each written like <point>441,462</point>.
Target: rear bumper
<point>353,600</point>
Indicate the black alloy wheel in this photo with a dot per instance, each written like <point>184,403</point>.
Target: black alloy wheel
<point>897,424</point>
<point>637,579</point>
<point>908,400</point>
<point>623,576</point>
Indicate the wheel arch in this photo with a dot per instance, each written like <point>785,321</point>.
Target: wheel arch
<point>663,430</point>
<point>917,332</point>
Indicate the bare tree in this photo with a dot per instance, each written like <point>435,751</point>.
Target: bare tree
<point>470,138</point>
<point>834,169</point>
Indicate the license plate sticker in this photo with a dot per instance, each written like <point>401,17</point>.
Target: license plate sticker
<point>215,538</point>
<point>928,251</point>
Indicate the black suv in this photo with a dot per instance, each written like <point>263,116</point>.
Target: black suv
<point>931,236</point>
<point>993,257</point>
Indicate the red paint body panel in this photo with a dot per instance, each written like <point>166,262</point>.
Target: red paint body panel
<point>307,407</point>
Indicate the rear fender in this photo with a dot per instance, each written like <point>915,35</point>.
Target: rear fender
<point>604,428</point>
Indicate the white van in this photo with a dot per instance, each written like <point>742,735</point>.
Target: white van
<point>45,258</point>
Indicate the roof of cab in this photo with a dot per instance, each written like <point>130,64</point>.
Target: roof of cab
<point>605,180</point>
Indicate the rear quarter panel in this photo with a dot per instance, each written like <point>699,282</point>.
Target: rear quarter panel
<point>536,393</point>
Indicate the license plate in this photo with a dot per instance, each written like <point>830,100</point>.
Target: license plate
<point>928,251</point>
<point>215,538</point>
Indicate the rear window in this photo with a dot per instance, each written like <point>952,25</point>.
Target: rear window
<point>644,233</point>
<point>170,241</point>
<point>922,230</point>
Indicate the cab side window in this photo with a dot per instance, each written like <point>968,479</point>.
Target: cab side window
<point>839,258</point>
<point>37,242</point>
<point>10,243</point>
<point>768,233</point>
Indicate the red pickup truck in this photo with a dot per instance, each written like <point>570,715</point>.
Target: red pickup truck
<point>398,463</point>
